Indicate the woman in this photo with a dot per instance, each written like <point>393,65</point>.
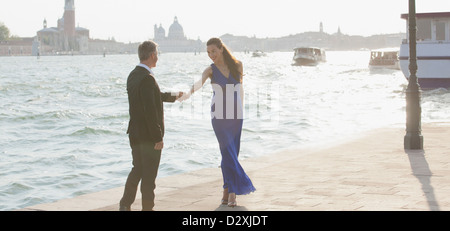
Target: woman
<point>226,73</point>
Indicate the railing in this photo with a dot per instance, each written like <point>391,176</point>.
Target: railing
<point>377,62</point>
<point>405,41</point>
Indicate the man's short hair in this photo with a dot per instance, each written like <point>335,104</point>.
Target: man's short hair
<point>146,49</point>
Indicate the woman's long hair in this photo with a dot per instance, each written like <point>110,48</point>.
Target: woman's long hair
<point>229,59</point>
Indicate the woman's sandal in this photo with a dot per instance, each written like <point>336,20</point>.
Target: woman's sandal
<point>225,195</point>
<point>232,204</point>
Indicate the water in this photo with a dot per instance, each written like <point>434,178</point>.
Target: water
<point>64,119</point>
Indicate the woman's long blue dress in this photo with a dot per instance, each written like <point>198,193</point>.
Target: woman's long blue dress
<point>228,132</point>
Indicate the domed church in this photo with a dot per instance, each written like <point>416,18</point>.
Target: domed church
<point>176,31</point>
<point>176,40</point>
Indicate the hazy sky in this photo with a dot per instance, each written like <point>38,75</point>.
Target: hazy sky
<point>133,20</point>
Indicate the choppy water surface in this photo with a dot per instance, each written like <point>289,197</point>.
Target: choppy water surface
<point>64,119</point>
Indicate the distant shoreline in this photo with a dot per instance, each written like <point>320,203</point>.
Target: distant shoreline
<point>331,42</point>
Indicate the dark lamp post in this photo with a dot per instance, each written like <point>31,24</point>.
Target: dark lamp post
<point>413,138</point>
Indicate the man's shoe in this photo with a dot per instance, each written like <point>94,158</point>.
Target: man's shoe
<point>124,208</point>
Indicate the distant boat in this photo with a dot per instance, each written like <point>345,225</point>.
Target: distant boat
<point>259,53</point>
<point>384,59</point>
<point>309,56</point>
<point>433,50</point>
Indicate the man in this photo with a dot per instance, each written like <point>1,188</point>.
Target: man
<point>146,128</point>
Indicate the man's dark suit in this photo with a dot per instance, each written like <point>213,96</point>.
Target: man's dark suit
<point>146,127</point>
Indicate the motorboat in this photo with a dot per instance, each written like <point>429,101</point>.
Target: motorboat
<point>433,50</point>
<point>259,53</point>
<point>384,59</point>
<point>309,56</point>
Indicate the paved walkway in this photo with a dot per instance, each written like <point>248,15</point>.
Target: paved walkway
<point>369,173</point>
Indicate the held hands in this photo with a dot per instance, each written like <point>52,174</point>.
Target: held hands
<point>178,95</point>
<point>184,96</point>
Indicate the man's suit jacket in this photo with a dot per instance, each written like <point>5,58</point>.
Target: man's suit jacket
<point>146,106</point>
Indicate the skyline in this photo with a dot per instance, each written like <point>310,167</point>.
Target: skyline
<point>134,22</point>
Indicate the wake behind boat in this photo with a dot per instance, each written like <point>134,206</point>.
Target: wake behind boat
<point>433,50</point>
<point>309,56</point>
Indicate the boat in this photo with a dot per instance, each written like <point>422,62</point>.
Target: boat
<point>309,56</point>
<point>259,53</point>
<point>384,59</point>
<point>433,50</point>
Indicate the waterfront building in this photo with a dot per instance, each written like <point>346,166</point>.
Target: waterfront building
<point>176,40</point>
<point>66,37</point>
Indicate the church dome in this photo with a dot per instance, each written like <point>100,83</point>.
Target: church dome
<point>160,33</point>
<point>176,30</point>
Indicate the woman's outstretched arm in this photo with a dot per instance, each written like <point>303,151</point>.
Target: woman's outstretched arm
<point>198,85</point>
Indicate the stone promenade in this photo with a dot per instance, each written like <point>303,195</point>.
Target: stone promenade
<point>371,172</point>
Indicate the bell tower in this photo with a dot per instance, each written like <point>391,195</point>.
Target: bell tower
<point>69,18</point>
